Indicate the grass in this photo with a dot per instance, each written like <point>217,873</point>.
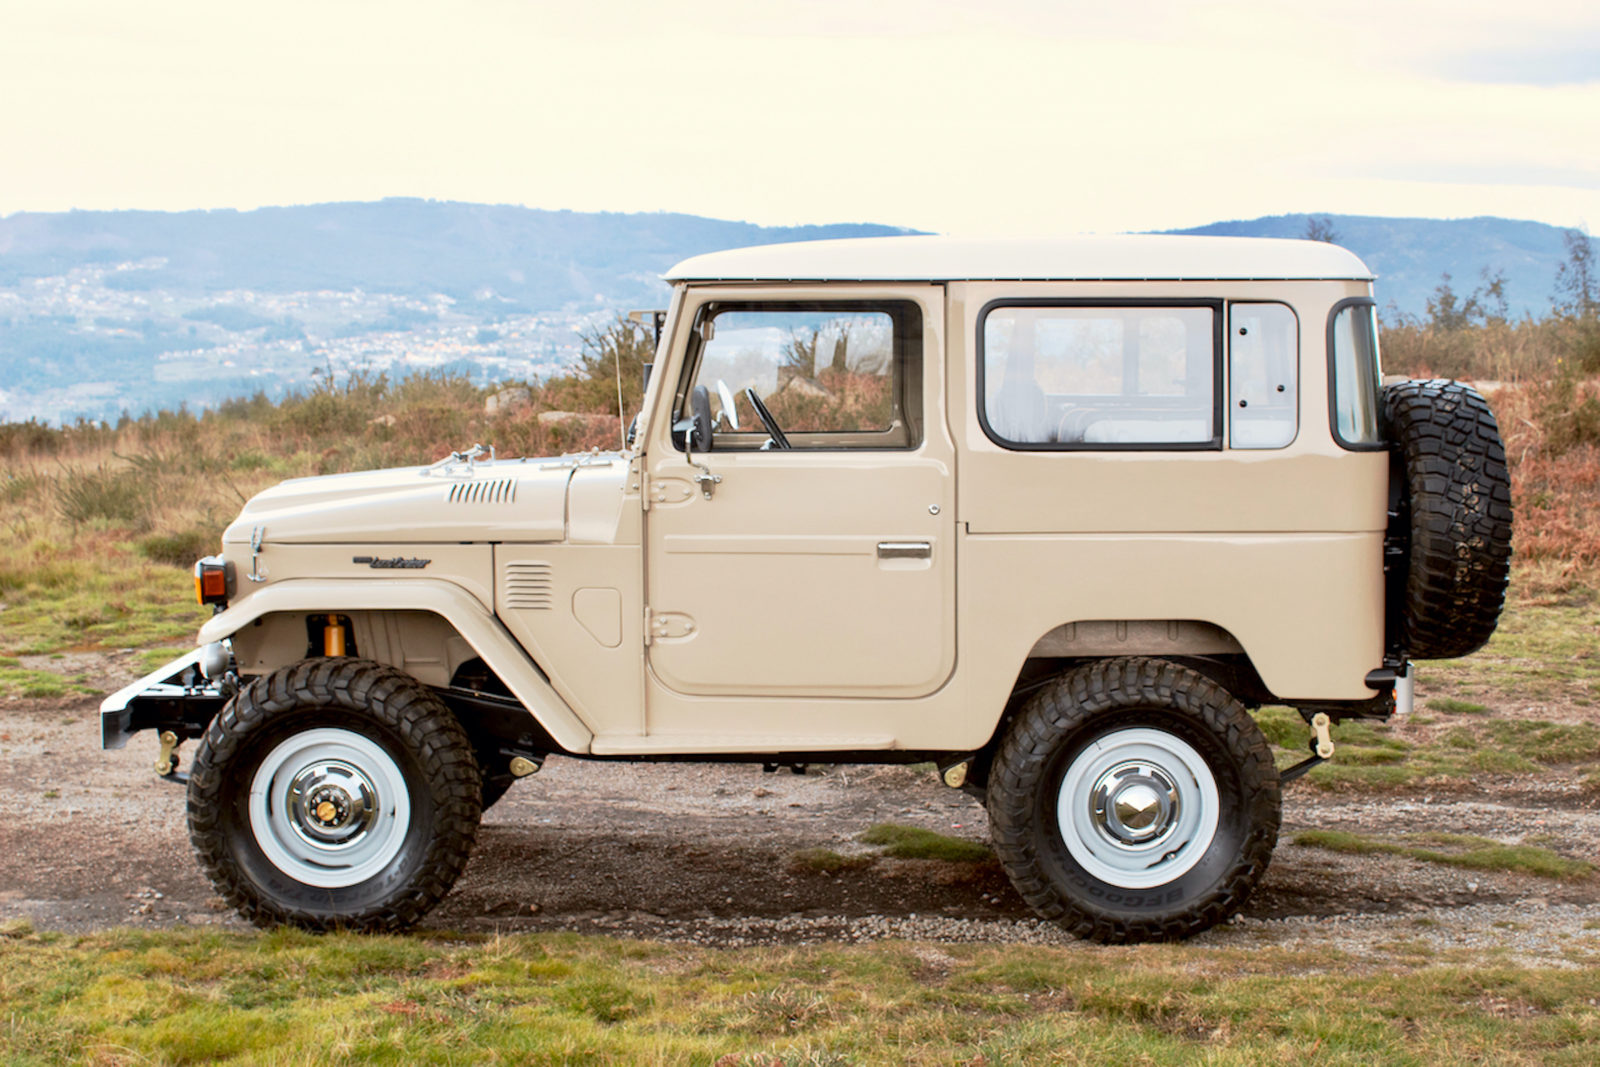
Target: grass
<point>186,996</point>
<point>19,682</point>
<point>1455,850</point>
<point>915,843</point>
<point>1452,706</point>
<point>827,861</point>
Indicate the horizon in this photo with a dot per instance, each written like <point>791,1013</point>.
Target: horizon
<point>764,225</point>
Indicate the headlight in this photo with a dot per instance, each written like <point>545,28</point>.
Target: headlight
<point>212,577</point>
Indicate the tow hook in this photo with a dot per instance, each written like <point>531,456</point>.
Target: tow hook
<point>166,766</point>
<point>1321,749</point>
<point>1321,743</point>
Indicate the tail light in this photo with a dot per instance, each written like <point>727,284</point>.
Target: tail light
<point>212,577</point>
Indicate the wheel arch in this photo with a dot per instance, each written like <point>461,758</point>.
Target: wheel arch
<point>1204,647</point>
<point>446,624</point>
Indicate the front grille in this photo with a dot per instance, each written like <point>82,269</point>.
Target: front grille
<point>529,585</point>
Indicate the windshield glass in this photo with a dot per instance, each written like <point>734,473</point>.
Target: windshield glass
<point>1353,340</point>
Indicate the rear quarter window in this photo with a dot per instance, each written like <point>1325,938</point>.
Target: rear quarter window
<point>1355,374</point>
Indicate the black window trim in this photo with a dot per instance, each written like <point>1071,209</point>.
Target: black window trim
<point>1380,444</point>
<point>1217,399</point>
<point>893,306</point>
<point>1299,344</point>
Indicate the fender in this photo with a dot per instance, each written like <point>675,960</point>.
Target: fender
<point>455,605</point>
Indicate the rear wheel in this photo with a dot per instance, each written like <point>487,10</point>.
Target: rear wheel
<point>1134,800</point>
<point>336,793</point>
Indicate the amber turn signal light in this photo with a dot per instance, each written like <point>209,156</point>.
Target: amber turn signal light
<point>211,581</point>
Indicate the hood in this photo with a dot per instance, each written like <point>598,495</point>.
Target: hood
<point>501,500</point>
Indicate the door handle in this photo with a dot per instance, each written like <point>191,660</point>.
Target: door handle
<point>904,550</point>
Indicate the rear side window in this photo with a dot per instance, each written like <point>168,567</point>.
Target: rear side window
<point>1100,376</point>
<point>1356,376</point>
<point>1263,354</point>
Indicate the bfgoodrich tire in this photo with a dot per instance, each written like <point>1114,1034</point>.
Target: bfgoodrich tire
<point>1454,517</point>
<point>334,794</point>
<point>1134,800</point>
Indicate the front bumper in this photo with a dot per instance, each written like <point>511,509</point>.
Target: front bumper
<point>175,697</point>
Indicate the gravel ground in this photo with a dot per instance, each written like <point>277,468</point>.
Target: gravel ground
<point>706,853</point>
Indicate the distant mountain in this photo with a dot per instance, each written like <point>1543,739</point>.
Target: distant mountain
<point>1411,255</point>
<point>541,260</point>
<point>105,312</point>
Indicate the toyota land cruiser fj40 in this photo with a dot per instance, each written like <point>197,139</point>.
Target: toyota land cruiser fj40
<point>1053,515</point>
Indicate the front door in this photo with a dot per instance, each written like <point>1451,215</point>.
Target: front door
<point>822,564</point>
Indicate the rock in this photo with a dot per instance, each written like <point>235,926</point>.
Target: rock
<point>507,401</point>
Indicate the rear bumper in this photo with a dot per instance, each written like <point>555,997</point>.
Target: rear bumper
<point>175,697</point>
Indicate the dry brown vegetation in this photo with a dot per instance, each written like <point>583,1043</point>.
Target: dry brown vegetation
<point>99,518</point>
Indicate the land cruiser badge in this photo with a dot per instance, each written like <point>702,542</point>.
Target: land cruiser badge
<point>397,563</point>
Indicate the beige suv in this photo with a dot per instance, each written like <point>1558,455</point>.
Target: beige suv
<point>1054,516</point>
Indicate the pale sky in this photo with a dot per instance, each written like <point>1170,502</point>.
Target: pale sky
<point>1024,117</point>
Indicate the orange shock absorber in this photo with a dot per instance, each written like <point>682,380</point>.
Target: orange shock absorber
<point>333,637</point>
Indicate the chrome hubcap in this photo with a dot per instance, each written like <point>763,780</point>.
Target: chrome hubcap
<point>329,808</point>
<point>1138,808</point>
<point>332,801</point>
<point>1135,802</point>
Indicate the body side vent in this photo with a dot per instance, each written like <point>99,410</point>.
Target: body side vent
<point>498,491</point>
<point>529,585</point>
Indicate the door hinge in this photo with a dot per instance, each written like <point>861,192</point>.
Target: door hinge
<point>666,624</point>
<point>647,624</point>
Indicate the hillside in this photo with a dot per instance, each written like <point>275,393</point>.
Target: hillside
<point>109,312</point>
<point>1410,255</point>
<point>536,260</point>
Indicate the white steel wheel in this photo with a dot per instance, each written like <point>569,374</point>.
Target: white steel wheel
<point>329,808</point>
<point>1133,799</point>
<point>334,794</point>
<point>1138,808</point>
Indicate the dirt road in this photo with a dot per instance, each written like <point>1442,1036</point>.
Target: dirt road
<point>708,853</point>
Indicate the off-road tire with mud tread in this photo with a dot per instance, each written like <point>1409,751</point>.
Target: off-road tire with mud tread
<point>1454,517</point>
<point>389,708</point>
<point>1058,722</point>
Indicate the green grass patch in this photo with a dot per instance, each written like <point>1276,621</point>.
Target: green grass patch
<point>1456,850</point>
<point>827,861</point>
<point>915,843</point>
<point>154,658</point>
<point>1452,706</point>
<point>186,996</point>
<point>20,682</point>
<point>117,599</point>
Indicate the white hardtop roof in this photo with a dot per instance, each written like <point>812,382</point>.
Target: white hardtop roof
<point>1128,257</point>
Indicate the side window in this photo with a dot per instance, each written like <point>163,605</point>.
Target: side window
<point>1357,379</point>
<point>1078,376</point>
<point>1263,354</point>
<point>832,375</point>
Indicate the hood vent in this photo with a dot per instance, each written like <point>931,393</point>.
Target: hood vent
<point>498,491</point>
<point>529,586</point>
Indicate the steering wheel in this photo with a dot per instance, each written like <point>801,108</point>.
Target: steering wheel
<point>768,423</point>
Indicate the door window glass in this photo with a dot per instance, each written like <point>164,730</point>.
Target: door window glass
<point>831,375</point>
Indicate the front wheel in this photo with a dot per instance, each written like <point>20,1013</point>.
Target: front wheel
<point>1134,800</point>
<point>334,794</point>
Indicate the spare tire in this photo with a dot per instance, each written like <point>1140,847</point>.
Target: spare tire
<point>1452,519</point>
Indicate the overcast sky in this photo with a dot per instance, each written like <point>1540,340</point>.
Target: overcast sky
<point>1025,117</point>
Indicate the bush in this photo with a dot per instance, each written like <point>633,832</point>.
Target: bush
<point>120,496</point>
<point>180,549</point>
